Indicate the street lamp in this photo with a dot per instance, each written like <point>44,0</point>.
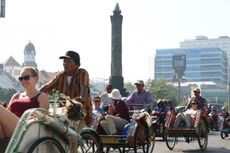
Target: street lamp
<point>179,66</point>
<point>2,8</point>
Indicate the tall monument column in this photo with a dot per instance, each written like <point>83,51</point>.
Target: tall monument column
<point>116,78</point>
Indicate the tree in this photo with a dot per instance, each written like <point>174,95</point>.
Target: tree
<point>6,94</point>
<point>129,86</point>
<point>161,89</point>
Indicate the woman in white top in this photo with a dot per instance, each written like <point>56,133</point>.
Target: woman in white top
<point>188,116</point>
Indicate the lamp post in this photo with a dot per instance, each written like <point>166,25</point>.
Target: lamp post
<point>2,8</point>
<point>179,66</point>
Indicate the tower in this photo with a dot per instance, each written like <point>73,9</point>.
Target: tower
<point>29,55</point>
<point>116,78</point>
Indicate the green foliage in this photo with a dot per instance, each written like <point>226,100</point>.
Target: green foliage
<point>162,89</point>
<point>129,86</point>
<point>6,94</point>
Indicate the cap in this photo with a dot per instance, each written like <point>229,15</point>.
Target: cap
<point>115,94</point>
<point>72,55</point>
<point>139,82</point>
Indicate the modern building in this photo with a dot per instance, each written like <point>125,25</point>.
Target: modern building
<point>223,42</point>
<point>202,65</point>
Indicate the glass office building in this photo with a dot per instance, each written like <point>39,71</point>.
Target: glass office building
<point>202,65</point>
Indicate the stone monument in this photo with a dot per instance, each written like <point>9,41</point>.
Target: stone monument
<point>116,78</point>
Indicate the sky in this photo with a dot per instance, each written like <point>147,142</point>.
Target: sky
<point>55,26</point>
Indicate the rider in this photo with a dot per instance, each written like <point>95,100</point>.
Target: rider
<point>140,98</point>
<point>214,116</point>
<point>225,114</point>
<point>202,103</point>
<point>73,81</point>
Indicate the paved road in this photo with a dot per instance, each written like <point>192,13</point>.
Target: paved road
<point>215,145</point>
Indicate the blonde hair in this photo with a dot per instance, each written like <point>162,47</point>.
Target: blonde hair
<point>33,70</point>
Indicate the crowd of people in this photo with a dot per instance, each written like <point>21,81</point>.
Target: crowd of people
<point>73,81</point>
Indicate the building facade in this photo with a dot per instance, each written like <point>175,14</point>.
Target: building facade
<point>223,42</point>
<point>207,65</point>
<point>12,67</point>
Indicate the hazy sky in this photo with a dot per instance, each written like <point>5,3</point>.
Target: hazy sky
<point>55,26</point>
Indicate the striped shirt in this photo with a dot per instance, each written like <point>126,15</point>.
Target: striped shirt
<point>72,89</point>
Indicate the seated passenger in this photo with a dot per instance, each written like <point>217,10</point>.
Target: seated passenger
<point>188,116</point>
<point>20,102</point>
<point>105,100</point>
<point>97,112</point>
<point>115,123</point>
<point>161,109</point>
<point>97,106</point>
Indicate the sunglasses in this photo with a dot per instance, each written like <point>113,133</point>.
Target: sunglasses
<point>26,78</point>
<point>97,101</point>
<point>194,103</point>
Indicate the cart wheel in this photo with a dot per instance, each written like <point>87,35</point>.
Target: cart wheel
<point>203,136</point>
<point>141,139</point>
<point>170,140</point>
<point>222,134</point>
<point>91,141</point>
<point>46,144</point>
<point>152,142</point>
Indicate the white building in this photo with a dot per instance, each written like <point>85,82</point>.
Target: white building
<point>12,67</point>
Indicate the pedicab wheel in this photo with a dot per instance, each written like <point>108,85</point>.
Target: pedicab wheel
<point>141,139</point>
<point>91,141</point>
<point>152,142</point>
<point>46,144</point>
<point>170,140</point>
<point>223,135</point>
<point>203,136</point>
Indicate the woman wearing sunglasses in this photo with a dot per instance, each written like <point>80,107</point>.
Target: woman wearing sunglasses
<point>20,102</point>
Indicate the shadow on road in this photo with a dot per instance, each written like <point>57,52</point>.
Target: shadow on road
<point>209,150</point>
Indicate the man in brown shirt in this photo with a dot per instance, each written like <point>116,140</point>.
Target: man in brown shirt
<point>73,82</point>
